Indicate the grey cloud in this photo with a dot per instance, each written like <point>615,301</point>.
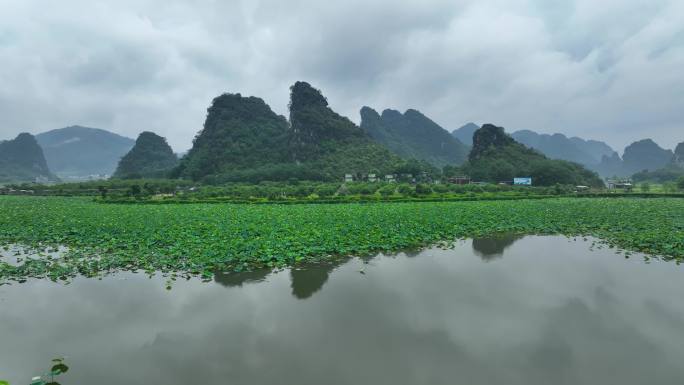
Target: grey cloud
<point>608,70</point>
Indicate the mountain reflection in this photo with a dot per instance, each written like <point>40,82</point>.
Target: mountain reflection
<point>309,280</point>
<point>233,279</point>
<point>493,247</point>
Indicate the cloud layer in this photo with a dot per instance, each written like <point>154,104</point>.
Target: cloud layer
<point>609,70</point>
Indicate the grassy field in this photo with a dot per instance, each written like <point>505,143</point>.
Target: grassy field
<point>197,239</point>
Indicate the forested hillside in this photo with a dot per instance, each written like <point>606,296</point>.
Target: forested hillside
<point>412,135</point>
<point>497,157</point>
<point>22,160</point>
<point>151,157</point>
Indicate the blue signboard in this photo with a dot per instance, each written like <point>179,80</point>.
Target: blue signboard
<point>522,181</point>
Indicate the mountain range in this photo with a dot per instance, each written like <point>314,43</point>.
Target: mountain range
<point>244,140</point>
<point>595,155</point>
<point>412,135</point>
<point>555,146</point>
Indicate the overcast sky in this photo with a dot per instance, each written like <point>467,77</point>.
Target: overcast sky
<point>604,69</point>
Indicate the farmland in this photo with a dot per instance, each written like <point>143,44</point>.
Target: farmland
<point>184,240</point>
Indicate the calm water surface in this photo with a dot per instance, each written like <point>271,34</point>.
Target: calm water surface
<point>511,310</point>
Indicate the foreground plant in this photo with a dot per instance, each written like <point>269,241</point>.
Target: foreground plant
<point>58,368</point>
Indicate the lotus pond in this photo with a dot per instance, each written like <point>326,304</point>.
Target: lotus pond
<point>510,310</point>
<point>185,240</point>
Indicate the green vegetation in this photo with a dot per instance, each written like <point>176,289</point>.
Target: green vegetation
<point>496,156</point>
<point>243,140</point>
<point>198,239</point>
<point>22,160</point>
<point>282,193</point>
<point>239,133</point>
<point>663,175</point>
<point>413,136</point>
<point>151,157</point>
<point>103,188</point>
<point>57,369</point>
<point>294,191</point>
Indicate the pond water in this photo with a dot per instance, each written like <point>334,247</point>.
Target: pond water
<point>509,310</point>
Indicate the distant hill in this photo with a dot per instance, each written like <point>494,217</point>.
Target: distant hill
<point>610,166</point>
<point>151,157</point>
<point>497,157</point>
<point>672,171</point>
<point>645,155</point>
<point>76,152</point>
<point>465,133</point>
<point>22,160</point>
<point>244,140</point>
<point>559,146</point>
<point>413,136</point>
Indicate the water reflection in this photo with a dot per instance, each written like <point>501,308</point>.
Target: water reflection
<point>305,281</point>
<point>309,280</point>
<point>493,247</point>
<point>232,279</point>
<point>551,312</point>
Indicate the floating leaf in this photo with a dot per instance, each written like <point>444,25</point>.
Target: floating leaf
<point>59,369</point>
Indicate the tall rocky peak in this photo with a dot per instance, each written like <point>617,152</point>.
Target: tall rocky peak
<point>239,132</point>
<point>611,165</point>
<point>314,125</point>
<point>149,141</point>
<point>679,155</point>
<point>303,95</point>
<point>25,151</point>
<point>415,118</point>
<point>645,155</point>
<point>22,159</point>
<point>369,114</point>
<point>151,157</point>
<point>374,125</point>
<point>232,116</point>
<point>392,116</point>
<point>487,138</point>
